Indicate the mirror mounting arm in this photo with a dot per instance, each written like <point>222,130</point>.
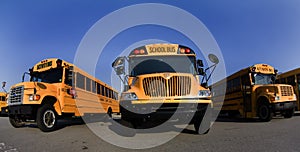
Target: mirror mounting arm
<point>207,77</point>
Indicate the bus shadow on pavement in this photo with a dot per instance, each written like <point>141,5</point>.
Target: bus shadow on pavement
<point>236,119</point>
<point>60,123</point>
<point>245,120</point>
<point>126,129</point>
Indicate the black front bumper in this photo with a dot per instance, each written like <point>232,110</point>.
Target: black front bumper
<point>25,110</point>
<point>282,106</point>
<point>161,111</point>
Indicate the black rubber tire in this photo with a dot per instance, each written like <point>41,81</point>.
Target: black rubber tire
<point>289,113</point>
<point>265,113</point>
<point>202,122</point>
<point>15,122</point>
<point>109,113</point>
<point>46,118</point>
<point>130,117</point>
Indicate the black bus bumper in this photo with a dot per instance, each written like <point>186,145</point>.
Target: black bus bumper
<point>162,110</point>
<point>23,111</point>
<point>282,106</point>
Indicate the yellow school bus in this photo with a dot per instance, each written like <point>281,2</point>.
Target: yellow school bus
<point>252,92</point>
<point>163,79</point>
<point>58,89</point>
<point>3,104</point>
<point>292,78</point>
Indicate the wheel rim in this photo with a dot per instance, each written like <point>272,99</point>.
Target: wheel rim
<point>264,112</point>
<point>49,118</point>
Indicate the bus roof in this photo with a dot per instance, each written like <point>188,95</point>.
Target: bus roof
<point>256,68</point>
<point>50,63</point>
<point>289,73</point>
<point>161,49</point>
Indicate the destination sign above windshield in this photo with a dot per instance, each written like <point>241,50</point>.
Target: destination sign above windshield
<point>160,49</point>
<point>263,68</point>
<point>44,65</point>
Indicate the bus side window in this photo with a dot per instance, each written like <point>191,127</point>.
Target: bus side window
<point>80,81</point>
<point>98,88</point>
<point>282,81</point>
<point>291,80</point>
<point>246,82</point>
<point>94,86</point>
<point>102,90</point>
<point>298,81</point>
<point>87,84</point>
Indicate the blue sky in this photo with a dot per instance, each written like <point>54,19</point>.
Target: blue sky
<point>247,32</point>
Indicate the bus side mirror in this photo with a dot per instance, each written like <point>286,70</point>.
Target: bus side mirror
<point>118,65</point>
<point>200,63</point>
<point>201,71</point>
<point>118,62</point>
<point>3,84</point>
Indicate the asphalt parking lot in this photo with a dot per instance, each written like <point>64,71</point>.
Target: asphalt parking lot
<point>226,135</point>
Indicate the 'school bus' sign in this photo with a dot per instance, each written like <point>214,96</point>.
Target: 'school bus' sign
<point>162,49</point>
<point>44,65</point>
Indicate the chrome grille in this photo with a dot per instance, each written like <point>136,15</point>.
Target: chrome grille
<point>286,91</point>
<point>16,95</point>
<point>162,87</point>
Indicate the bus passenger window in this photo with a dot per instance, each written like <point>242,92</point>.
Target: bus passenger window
<point>80,81</point>
<point>88,84</point>
<point>98,88</point>
<point>291,80</point>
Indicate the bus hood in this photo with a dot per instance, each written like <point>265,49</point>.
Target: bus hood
<point>37,86</point>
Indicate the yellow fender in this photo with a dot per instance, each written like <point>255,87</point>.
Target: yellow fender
<point>57,108</point>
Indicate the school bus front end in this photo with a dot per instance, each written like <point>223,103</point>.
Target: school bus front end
<point>164,84</point>
<point>40,99</point>
<point>252,93</point>
<point>27,97</point>
<point>159,96</point>
<point>276,98</point>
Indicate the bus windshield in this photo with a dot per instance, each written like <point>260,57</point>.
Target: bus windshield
<point>49,76</point>
<point>160,64</point>
<point>263,78</point>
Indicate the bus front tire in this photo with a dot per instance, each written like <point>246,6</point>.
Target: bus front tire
<point>264,112</point>
<point>200,131</point>
<point>46,118</point>
<point>16,122</point>
<point>202,122</point>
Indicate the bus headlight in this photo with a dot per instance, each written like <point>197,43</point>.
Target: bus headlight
<point>204,93</point>
<point>277,97</point>
<point>34,97</point>
<point>129,96</point>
